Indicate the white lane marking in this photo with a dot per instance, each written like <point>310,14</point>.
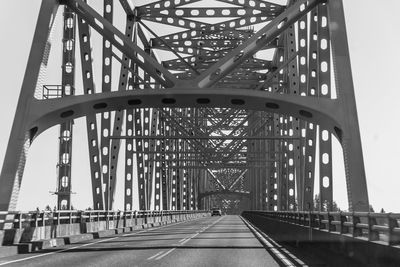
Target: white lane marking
<point>271,244</point>
<point>187,239</point>
<point>155,255</point>
<point>183,239</point>
<point>92,243</point>
<point>165,254</point>
<point>54,252</point>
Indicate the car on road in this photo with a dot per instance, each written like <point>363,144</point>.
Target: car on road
<point>216,212</point>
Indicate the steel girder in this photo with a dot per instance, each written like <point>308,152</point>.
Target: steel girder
<point>63,189</point>
<point>218,82</point>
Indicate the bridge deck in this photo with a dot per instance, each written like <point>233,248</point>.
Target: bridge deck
<point>210,241</point>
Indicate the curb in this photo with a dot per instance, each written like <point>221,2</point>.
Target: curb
<point>274,249</point>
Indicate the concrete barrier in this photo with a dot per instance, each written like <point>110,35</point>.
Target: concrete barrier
<point>104,233</point>
<point>77,238</point>
<point>8,251</point>
<point>48,243</point>
<point>36,235</point>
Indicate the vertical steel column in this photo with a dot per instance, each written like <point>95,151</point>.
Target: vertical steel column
<point>148,171</point>
<point>21,136</point>
<point>65,140</point>
<point>170,164</point>
<point>196,172</point>
<point>280,126</point>
<point>293,146</point>
<point>324,88</point>
<point>350,134</point>
<point>130,120</point>
<point>117,126</point>
<point>129,147</point>
<point>266,157</point>
<point>175,173</point>
<point>310,133</point>
<point>128,189</point>
<point>106,116</point>
<point>117,129</point>
<point>139,160</point>
<point>179,174</point>
<point>158,160</point>
<point>164,164</point>
<point>184,173</point>
<point>302,44</point>
<point>275,174</point>
<point>250,175</point>
<point>91,122</point>
<point>152,164</point>
<point>283,189</point>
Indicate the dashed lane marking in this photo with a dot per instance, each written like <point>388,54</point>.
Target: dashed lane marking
<point>185,240</point>
<point>155,255</point>
<point>88,244</point>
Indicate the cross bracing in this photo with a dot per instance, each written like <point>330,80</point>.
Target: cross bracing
<point>207,100</point>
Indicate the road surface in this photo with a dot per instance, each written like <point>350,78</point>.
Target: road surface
<point>209,241</point>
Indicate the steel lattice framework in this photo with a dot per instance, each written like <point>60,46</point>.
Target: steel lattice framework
<point>217,102</point>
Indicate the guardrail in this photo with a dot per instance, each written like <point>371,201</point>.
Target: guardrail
<point>57,91</point>
<point>19,220</point>
<point>365,225</point>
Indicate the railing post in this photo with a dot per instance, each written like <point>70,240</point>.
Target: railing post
<point>107,220</point>
<point>58,217</point>
<point>343,229</point>
<point>313,217</point>
<point>310,225</point>
<point>320,219</point>
<point>372,235</point>
<point>356,220</point>
<point>394,238</point>
<point>131,216</point>
<point>135,217</point>
<point>331,218</point>
<point>41,219</point>
<point>19,216</point>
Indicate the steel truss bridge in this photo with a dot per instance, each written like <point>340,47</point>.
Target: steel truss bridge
<point>201,103</point>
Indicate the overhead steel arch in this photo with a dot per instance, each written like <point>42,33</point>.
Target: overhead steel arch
<point>324,112</point>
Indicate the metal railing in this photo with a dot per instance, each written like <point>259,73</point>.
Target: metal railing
<point>364,225</point>
<point>57,91</point>
<point>19,220</point>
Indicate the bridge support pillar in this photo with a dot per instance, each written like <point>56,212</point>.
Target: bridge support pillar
<point>22,132</point>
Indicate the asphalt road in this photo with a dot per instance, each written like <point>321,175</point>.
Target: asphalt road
<point>210,241</point>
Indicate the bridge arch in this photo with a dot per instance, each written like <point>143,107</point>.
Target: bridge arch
<point>47,113</point>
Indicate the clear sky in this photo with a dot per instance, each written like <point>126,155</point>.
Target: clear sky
<point>373,32</point>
